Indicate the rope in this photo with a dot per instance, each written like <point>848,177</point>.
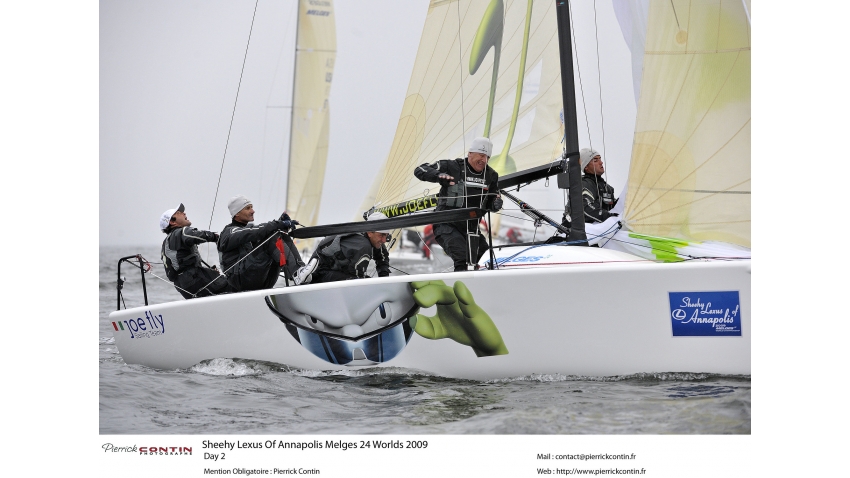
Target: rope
<point>224,273</point>
<point>430,251</point>
<point>397,269</point>
<point>175,285</point>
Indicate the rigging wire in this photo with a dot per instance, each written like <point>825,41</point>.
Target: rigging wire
<point>463,132</point>
<point>224,272</point>
<point>578,67</point>
<point>233,113</point>
<point>599,79</point>
<point>276,177</point>
<point>430,251</point>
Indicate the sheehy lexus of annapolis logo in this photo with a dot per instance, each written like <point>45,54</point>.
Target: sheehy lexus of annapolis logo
<point>148,450</point>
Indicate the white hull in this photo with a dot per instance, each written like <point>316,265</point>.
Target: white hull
<point>594,319</point>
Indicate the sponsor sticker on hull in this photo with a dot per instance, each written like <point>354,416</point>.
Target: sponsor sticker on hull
<point>706,314</point>
<point>145,327</point>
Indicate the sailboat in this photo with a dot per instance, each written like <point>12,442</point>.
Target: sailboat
<point>681,305</point>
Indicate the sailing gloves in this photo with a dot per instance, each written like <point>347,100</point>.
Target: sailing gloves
<point>445,180</point>
<point>286,226</point>
<point>287,223</point>
<point>497,204</point>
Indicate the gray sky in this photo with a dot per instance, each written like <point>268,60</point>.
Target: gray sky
<point>169,73</point>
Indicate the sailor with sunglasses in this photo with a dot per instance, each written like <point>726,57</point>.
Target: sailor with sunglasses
<point>183,265</point>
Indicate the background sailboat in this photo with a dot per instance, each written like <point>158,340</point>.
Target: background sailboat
<point>297,122</point>
<point>299,106</point>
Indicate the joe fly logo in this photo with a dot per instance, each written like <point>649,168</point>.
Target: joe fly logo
<point>149,326</point>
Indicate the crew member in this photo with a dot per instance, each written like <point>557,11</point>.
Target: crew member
<point>347,256</point>
<point>183,265</point>
<point>251,254</point>
<point>514,236</point>
<point>598,195</point>
<point>464,182</point>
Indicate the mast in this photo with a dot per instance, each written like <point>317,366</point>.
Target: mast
<point>292,104</point>
<point>571,149</point>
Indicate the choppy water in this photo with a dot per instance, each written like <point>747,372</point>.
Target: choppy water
<point>224,396</point>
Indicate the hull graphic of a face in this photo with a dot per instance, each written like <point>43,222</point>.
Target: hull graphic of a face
<point>355,326</point>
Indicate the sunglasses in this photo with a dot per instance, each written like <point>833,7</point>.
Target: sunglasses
<point>378,346</point>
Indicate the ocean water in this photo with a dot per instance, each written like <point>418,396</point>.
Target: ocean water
<point>227,396</point>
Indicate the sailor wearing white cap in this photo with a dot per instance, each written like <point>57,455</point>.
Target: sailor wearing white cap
<point>597,195</point>
<point>183,265</point>
<point>251,257</point>
<point>464,182</point>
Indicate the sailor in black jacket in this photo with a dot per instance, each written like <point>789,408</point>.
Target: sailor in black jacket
<point>347,256</point>
<point>464,182</point>
<point>183,265</point>
<point>597,195</point>
<point>245,267</point>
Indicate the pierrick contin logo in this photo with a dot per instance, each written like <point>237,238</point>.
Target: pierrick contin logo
<point>148,450</point>
<point>165,450</point>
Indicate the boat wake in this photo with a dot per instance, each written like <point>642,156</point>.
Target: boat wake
<point>646,377</point>
<point>235,367</point>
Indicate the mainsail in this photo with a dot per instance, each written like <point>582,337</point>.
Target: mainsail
<point>308,147</point>
<point>483,68</point>
<point>690,169</point>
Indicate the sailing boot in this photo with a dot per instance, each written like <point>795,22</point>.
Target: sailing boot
<point>304,275</point>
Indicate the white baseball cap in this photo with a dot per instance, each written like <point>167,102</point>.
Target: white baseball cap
<point>166,217</point>
<point>481,145</point>
<point>236,204</point>
<point>377,215</point>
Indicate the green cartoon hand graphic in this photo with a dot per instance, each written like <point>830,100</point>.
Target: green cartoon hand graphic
<point>458,318</point>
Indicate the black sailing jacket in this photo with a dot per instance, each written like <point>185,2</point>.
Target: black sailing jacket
<point>598,197</point>
<point>471,189</point>
<point>180,250</point>
<point>350,254</point>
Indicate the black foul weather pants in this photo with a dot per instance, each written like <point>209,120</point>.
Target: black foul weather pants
<point>457,245</point>
<point>193,279</point>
